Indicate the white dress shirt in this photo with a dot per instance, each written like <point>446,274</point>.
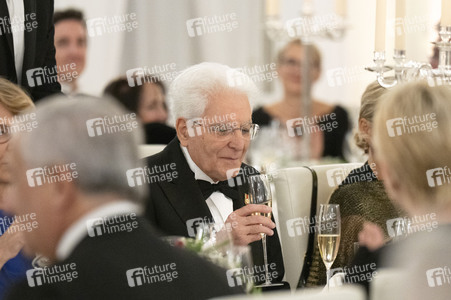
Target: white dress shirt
<point>219,204</point>
<point>78,230</point>
<point>17,16</point>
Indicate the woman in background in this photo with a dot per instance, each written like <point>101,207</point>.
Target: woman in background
<point>13,264</point>
<point>361,196</point>
<point>328,143</point>
<point>415,163</point>
<point>147,101</point>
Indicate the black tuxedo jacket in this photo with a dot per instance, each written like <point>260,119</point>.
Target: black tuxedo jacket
<point>172,203</point>
<point>39,46</point>
<point>102,261</point>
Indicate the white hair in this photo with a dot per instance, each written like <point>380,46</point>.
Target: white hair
<point>61,137</point>
<point>191,90</point>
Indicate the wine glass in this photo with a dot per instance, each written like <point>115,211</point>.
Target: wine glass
<point>329,230</point>
<point>260,193</point>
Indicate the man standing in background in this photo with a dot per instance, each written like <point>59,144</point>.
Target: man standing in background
<point>70,45</point>
<point>26,46</point>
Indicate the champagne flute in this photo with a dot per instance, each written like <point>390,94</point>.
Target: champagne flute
<point>260,193</point>
<point>329,230</point>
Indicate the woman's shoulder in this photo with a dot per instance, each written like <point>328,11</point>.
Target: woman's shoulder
<point>323,108</point>
<point>261,117</point>
<point>358,192</point>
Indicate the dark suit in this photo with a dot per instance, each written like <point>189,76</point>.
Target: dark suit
<point>102,261</point>
<point>172,204</point>
<point>39,47</point>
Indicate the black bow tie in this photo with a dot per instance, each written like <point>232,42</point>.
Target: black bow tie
<point>222,186</point>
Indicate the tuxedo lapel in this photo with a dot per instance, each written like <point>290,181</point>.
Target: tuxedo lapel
<point>183,192</point>
<point>30,40</point>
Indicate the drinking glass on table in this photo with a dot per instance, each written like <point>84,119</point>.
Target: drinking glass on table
<point>329,231</point>
<point>260,193</point>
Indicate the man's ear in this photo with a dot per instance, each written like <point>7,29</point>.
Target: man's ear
<point>182,131</point>
<point>65,194</point>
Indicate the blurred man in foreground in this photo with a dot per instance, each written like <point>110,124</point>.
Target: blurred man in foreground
<point>88,213</point>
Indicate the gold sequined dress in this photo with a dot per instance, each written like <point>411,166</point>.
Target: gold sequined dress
<point>359,202</point>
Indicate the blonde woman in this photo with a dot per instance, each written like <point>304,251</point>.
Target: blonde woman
<point>13,100</point>
<point>412,140</point>
<point>361,195</point>
<point>327,143</point>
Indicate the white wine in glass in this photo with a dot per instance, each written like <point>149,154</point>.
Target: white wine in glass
<point>260,193</point>
<point>329,231</point>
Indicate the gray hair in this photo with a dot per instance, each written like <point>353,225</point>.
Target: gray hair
<point>191,90</point>
<point>61,137</point>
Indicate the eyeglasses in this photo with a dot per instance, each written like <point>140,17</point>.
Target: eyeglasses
<point>226,130</point>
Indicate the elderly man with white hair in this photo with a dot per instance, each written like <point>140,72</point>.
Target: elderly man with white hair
<point>72,173</point>
<point>211,104</point>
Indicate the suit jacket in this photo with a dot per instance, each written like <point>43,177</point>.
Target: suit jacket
<point>39,47</point>
<point>172,203</point>
<point>102,262</point>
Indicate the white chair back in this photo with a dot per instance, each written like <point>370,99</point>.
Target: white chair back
<point>294,188</point>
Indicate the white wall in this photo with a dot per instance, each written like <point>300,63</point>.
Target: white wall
<point>162,38</point>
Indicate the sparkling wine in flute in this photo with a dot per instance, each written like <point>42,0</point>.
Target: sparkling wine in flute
<point>260,193</point>
<point>329,231</point>
<point>328,247</point>
<point>267,203</point>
